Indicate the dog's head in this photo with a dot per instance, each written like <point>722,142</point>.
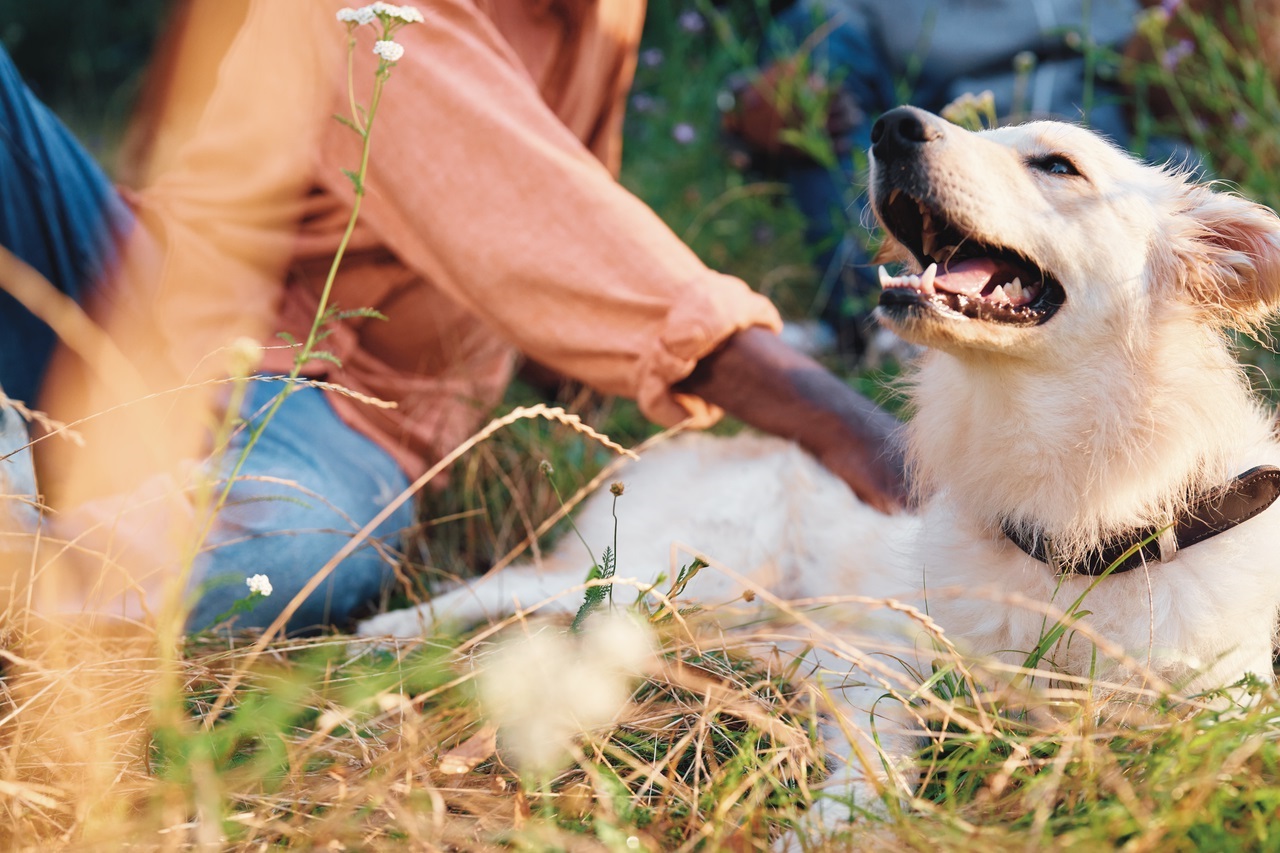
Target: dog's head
<point>1045,237</point>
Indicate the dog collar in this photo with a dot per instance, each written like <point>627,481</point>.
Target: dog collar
<point>1205,517</point>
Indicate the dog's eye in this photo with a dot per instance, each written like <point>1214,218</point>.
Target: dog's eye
<point>1053,164</point>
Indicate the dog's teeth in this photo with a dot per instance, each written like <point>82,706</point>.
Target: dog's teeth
<point>893,194</point>
<point>998,294</point>
<point>926,279</point>
<point>927,240</point>
<point>1014,290</point>
<point>886,280</point>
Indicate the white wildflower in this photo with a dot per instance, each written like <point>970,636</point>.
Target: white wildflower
<point>260,584</point>
<point>409,15</point>
<point>545,689</point>
<point>389,50</point>
<point>389,12</point>
<point>361,16</point>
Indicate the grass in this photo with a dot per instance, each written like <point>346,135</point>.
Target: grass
<point>331,743</point>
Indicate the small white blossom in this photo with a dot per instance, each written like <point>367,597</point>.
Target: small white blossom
<point>260,584</point>
<point>363,15</point>
<point>389,50</point>
<point>386,11</point>
<point>410,15</point>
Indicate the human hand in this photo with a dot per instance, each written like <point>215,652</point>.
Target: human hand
<point>765,383</point>
<point>877,479</point>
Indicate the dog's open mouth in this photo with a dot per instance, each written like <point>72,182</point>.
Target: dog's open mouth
<point>963,275</point>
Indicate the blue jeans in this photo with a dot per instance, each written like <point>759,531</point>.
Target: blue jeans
<point>60,214</point>
<point>309,483</point>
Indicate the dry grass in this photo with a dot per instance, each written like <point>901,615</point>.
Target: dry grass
<point>111,736</point>
<point>331,743</point>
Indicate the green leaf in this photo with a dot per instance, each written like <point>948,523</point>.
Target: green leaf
<point>592,600</point>
<point>346,122</point>
<point>325,355</point>
<point>369,313</point>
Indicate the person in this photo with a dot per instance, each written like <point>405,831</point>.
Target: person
<point>492,227</point>
<point>856,59</point>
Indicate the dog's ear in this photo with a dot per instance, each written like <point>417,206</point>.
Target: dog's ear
<point>1228,257</point>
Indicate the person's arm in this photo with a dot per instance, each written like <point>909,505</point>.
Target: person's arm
<point>766,384</point>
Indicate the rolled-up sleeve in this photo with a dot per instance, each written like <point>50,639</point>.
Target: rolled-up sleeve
<point>480,188</point>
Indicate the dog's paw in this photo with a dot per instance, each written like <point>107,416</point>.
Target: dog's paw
<point>409,622</point>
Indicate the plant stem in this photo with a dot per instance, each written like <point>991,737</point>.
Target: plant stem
<point>304,353</point>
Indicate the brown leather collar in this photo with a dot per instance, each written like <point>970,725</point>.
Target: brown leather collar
<point>1207,516</point>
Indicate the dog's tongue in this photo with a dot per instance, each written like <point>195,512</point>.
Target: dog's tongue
<point>966,277</point>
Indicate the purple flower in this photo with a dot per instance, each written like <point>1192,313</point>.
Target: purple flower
<point>644,103</point>
<point>691,21</point>
<point>1170,6</point>
<point>1174,55</point>
<point>652,57</point>
<point>684,133</point>
<point>1239,120</point>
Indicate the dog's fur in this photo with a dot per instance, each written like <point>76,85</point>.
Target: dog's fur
<point>1103,417</point>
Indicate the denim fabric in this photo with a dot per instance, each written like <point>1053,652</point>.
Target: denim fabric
<point>60,214</point>
<point>18,514</point>
<point>326,482</point>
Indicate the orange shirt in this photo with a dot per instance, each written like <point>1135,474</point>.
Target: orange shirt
<point>493,223</point>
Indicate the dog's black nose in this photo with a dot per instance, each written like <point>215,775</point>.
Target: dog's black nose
<point>902,131</point>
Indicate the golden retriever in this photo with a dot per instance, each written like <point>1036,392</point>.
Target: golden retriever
<point>1078,396</point>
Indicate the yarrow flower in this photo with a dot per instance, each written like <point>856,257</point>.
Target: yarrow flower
<point>261,584</point>
<point>408,14</point>
<point>388,12</point>
<point>389,50</point>
<point>363,15</point>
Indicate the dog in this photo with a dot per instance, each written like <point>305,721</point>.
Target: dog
<point>1081,432</point>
